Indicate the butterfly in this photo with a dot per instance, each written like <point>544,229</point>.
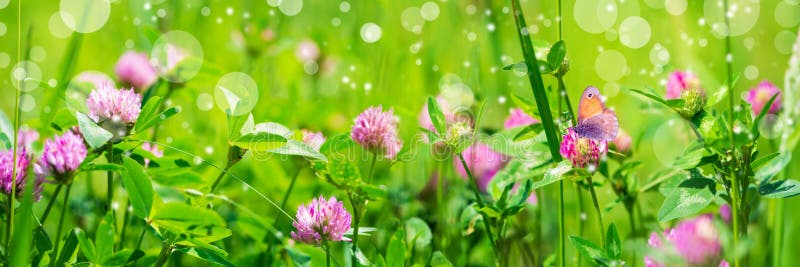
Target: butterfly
<point>595,121</point>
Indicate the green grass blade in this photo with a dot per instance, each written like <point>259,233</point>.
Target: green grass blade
<point>537,85</point>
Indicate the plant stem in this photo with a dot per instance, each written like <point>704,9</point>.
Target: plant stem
<point>777,245</point>
<point>163,256</point>
<point>289,191</point>
<point>597,209</point>
<point>562,256</point>
<point>110,177</point>
<point>372,167</point>
<point>64,206</point>
<point>125,219</point>
<point>50,203</point>
<point>327,253</point>
<point>356,221</point>
<point>480,203</point>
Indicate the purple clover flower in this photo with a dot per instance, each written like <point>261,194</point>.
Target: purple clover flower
<point>321,221</point>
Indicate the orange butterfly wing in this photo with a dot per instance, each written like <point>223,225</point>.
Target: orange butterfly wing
<point>590,104</point>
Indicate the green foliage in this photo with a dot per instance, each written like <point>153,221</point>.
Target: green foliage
<point>94,135</point>
<point>688,198</point>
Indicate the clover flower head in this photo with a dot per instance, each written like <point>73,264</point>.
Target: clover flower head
<point>321,221</point>
<point>376,131</point>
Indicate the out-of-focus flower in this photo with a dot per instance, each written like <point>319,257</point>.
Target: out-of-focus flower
<point>518,118</point>
<point>685,85</point>
<point>321,221</point>
<point>153,149</point>
<point>61,156</point>
<point>583,151</point>
<point>725,213</point>
<point>26,137</point>
<point>376,131</point>
<point>267,35</point>
<point>22,163</point>
<point>307,50</point>
<point>761,94</point>
<point>680,81</point>
<point>97,79</point>
<point>165,65</point>
<point>313,139</point>
<point>622,143</point>
<point>695,240</point>
<point>134,68</point>
<point>109,104</point>
<point>483,163</point>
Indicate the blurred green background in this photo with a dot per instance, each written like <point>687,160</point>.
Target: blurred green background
<point>423,47</point>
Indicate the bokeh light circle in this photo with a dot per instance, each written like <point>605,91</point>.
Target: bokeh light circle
<point>237,92</point>
<point>85,16</point>
<point>5,59</point>
<point>371,32</point>
<point>177,55</point>
<point>634,32</point>
<point>27,102</point>
<point>38,53</point>
<point>205,102</point>
<point>4,3</point>
<point>610,65</point>
<point>743,15</point>
<point>458,95</point>
<point>57,27</point>
<point>3,29</point>
<point>670,140</point>
<point>787,15</point>
<point>290,7</point>
<point>80,86</point>
<point>429,11</point>
<point>411,19</point>
<point>784,41</point>
<point>26,76</point>
<point>595,16</point>
<point>659,55</point>
<point>610,89</point>
<point>751,72</point>
<point>675,7</point>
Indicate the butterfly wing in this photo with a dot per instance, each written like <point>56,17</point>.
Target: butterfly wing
<point>603,126</point>
<point>590,104</point>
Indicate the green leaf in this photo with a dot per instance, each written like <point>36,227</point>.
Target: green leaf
<point>691,196</point>
<point>335,144</point>
<point>6,128</point>
<point>553,175</point>
<point>764,171</point>
<point>87,246</point>
<point>5,142</point>
<point>177,177</point>
<point>556,55</point>
<point>139,187</point>
<point>535,79</point>
<point>780,189</point>
<point>396,250</point>
<point>437,116</point>
<point>148,113</point>
<point>439,260</point>
<point>762,114</point>
<point>94,135</point>
<point>613,244</point>
<point>20,249</point>
<point>260,142</point>
<point>68,249</point>
<point>298,148</point>
<point>119,258</point>
<point>418,233</point>
<point>235,124</point>
<point>206,255</point>
<point>92,166</point>
<point>588,249</point>
<point>690,157</point>
<point>180,218</point>
<point>298,257</point>
<point>104,238</point>
<point>153,117</point>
